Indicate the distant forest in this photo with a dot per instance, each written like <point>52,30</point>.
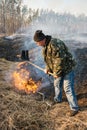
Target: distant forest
<point>14,16</point>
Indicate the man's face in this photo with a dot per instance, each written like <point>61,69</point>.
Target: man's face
<point>41,43</point>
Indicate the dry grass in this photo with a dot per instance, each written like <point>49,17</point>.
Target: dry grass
<point>21,111</point>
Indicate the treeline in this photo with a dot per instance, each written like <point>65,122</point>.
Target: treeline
<point>14,15</point>
<point>62,23</point>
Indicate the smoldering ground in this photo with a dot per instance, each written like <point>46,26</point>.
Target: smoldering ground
<point>28,111</point>
<point>20,110</point>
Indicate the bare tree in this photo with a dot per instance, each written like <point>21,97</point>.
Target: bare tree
<point>13,16</point>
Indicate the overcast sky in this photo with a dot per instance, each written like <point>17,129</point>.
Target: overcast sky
<point>73,6</point>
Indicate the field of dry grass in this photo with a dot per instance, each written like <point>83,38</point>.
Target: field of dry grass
<point>22,111</point>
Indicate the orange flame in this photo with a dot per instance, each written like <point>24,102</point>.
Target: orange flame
<point>22,81</point>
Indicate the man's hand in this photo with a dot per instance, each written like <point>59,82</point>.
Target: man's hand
<point>55,76</point>
<point>46,71</point>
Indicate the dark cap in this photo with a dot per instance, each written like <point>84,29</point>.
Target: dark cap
<point>38,36</point>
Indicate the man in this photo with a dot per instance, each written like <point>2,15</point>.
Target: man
<point>60,62</point>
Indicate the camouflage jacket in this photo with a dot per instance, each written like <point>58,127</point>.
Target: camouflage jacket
<point>58,59</point>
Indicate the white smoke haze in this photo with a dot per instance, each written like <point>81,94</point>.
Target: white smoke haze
<point>8,74</point>
<point>70,29</point>
<point>75,7</point>
<point>72,37</point>
<point>63,26</point>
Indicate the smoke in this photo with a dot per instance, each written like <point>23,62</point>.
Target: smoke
<point>49,27</point>
<point>8,74</point>
<point>63,26</point>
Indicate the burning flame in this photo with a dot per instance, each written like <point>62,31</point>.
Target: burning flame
<point>22,81</point>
